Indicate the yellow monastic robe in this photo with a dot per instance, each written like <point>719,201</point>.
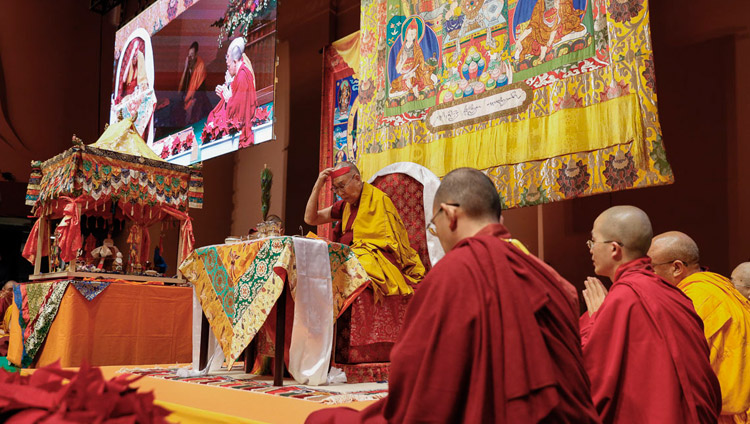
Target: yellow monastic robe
<point>726,324</point>
<point>15,349</point>
<point>378,228</point>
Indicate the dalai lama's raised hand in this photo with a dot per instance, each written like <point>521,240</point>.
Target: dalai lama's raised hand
<point>594,294</point>
<point>324,174</point>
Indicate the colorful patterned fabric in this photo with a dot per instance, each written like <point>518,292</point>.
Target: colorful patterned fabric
<point>253,384</point>
<point>553,100</point>
<point>37,304</point>
<point>35,179</point>
<point>90,289</point>
<point>238,284</point>
<point>104,175</point>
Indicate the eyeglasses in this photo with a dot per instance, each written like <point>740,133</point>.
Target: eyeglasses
<point>340,188</point>
<point>670,262</point>
<point>431,226</point>
<point>590,243</point>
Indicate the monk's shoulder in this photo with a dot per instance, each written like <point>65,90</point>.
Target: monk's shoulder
<point>621,297</point>
<point>455,263</point>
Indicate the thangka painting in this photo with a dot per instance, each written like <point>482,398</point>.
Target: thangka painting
<point>553,99</point>
<point>340,116</point>
<point>345,120</point>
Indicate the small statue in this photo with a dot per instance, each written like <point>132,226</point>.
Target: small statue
<point>106,250</point>
<point>118,262</point>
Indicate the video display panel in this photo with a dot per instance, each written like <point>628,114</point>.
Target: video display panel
<point>189,97</point>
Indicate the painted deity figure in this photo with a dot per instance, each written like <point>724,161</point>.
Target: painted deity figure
<point>415,73</point>
<point>546,27</point>
<point>345,95</point>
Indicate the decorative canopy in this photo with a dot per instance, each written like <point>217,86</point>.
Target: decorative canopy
<point>117,176</point>
<point>118,168</point>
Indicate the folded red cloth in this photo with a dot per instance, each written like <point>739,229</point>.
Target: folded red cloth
<point>86,398</point>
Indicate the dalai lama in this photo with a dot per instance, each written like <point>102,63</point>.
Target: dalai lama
<point>372,227</point>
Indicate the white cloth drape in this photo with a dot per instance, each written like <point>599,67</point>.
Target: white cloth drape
<point>215,354</point>
<point>312,333</point>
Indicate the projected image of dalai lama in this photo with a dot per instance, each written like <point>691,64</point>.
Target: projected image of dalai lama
<point>237,103</point>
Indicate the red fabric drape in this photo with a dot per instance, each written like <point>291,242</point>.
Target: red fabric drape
<point>186,230</point>
<point>70,238</point>
<point>29,251</point>
<point>69,230</point>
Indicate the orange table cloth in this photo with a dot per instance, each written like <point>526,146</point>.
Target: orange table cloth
<point>123,325</point>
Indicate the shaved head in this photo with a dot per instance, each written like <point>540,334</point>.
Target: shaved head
<point>473,190</point>
<point>344,164</point>
<point>628,225</point>
<point>674,245</point>
<point>741,278</point>
<point>742,273</point>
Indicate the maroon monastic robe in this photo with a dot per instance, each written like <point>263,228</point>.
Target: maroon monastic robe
<point>646,355</point>
<point>241,106</point>
<point>237,113</point>
<point>490,337</point>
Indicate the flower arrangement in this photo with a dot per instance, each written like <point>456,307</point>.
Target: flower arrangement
<point>240,16</point>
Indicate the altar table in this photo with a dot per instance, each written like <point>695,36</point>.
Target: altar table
<point>122,324</point>
<point>238,284</point>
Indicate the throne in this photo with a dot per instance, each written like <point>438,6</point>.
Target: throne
<point>366,331</point>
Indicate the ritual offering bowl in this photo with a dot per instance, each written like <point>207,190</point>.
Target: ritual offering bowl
<point>495,73</point>
<point>468,91</point>
<point>485,77</point>
<point>447,96</point>
<point>458,94</point>
<point>490,84</point>
<point>463,84</point>
<point>502,80</point>
<point>273,228</point>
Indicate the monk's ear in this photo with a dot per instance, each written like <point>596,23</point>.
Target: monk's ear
<point>616,250</point>
<point>678,268</point>
<point>450,213</point>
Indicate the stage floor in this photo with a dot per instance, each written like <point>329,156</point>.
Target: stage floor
<point>202,403</point>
